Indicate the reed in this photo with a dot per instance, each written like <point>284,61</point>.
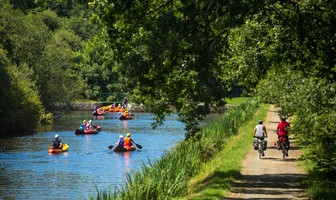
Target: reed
<point>168,176</point>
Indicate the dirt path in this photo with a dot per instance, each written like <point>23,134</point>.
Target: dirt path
<point>270,177</point>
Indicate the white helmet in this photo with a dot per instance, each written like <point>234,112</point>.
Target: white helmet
<point>56,136</point>
<point>121,136</point>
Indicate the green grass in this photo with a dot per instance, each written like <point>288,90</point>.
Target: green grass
<point>217,176</point>
<point>236,100</point>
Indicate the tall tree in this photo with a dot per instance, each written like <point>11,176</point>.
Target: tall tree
<point>169,51</point>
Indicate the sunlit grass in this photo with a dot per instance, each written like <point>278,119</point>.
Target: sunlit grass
<point>217,176</point>
<point>237,100</point>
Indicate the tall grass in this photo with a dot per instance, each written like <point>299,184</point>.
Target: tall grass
<point>168,177</point>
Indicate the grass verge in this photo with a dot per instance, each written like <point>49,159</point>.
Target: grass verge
<point>216,177</point>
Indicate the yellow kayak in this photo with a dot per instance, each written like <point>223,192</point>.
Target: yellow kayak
<point>64,149</point>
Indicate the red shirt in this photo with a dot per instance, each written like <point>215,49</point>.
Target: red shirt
<point>282,127</point>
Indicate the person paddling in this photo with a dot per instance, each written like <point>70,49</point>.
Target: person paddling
<point>56,143</point>
<point>128,140</point>
<point>120,143</point>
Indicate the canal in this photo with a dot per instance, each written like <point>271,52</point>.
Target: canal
<point>27,171</point>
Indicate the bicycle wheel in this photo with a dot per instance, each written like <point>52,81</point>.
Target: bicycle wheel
<point>283,151</point>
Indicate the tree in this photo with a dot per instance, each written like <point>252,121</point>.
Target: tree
<point>169,50</point>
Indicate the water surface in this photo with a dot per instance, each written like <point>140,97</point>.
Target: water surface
<point>27,171</point>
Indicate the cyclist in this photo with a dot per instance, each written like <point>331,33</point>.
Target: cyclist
<point>282,131</point>
<point>260,132</point>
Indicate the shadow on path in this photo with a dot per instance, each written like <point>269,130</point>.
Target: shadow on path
<point>269,185</point>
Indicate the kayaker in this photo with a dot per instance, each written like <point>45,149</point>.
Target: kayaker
<point>126,113</point>
<point>95,111</point>
<point>56,143</point>
<point>81,128</point>
<point>100,111</point>
<point>84,124</point>
<point>89,126</point>
<point>128,141</point>
<point>121,142</point>
<point>125,103</point>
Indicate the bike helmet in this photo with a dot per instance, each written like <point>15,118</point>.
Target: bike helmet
<point>56,136</point>
<point>121,137</point>
<point>260,121</point>
<point>128,135</point>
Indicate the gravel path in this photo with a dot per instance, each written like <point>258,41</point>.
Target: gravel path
<point>271,177</point>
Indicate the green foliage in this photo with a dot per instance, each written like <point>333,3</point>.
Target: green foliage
<point>54,69</point>
<point>50,19</point>
<point>167,177</point>
<point>169,52</point>
<point>36,43</point>
<point>312,101</point>
<point>96,66</point>
<point>21,106</point>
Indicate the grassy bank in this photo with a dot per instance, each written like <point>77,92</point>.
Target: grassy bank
<point>237,100</point>
<point>169,176</point>
<point>216,177</point>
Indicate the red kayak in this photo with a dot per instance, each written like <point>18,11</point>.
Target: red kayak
<point>123,149</point>
<point>91,131</point>
<point>127,117</point>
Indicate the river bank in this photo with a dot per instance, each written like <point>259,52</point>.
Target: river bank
<point>132,107</point>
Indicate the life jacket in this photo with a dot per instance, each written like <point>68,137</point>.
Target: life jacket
<point>81,127</point>
<point>127,141</point>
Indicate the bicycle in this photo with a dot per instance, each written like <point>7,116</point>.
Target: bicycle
<point>282,144</point>
<point>261,148</point>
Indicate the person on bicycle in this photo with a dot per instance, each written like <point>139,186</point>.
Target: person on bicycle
<point>260,131</point>
<point>282,130</point>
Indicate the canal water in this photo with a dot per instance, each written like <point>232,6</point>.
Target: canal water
<point>27,171</point>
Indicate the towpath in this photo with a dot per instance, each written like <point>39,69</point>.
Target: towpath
<point>271,177</point>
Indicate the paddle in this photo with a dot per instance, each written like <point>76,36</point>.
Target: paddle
<point>138,145</point>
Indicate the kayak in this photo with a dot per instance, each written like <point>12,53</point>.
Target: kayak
<point>99,113</point>
<point>116,110</point>
<point>127,117</point>
<point>91,131</point>
<point>106,108</point>
<point>120,149</point>
<point>64,149</point>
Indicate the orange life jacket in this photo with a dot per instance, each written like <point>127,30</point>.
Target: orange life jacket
<point>127,141</point>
